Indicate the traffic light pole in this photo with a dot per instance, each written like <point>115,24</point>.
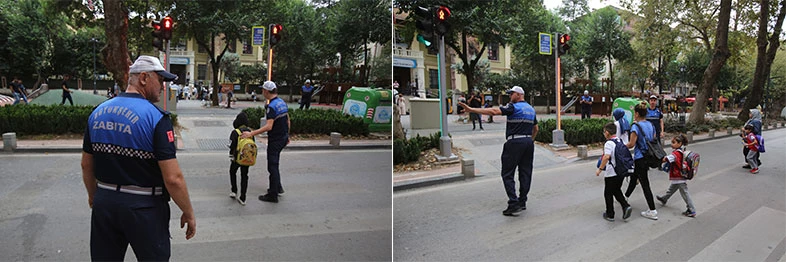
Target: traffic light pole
<point>167,92</point>
<point>445,145</point>
<point>558,136</point>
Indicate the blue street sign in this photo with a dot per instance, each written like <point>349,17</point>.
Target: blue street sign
<point>545,43</point>
<point>258,35</point>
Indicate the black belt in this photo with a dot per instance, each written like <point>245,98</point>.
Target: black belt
<point>131,189</point>
<point>517,136</point>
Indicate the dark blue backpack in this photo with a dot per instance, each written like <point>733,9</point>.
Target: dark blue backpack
<point>623,160</point>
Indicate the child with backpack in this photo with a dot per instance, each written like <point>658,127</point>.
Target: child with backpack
<point>680,172</point>
<point>752,143</point>
<point>242,153</point>
<point>617,163</point>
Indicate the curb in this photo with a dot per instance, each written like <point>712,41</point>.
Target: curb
<point>66,150</point>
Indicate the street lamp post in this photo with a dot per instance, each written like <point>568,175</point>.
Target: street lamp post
<point>94,65</point>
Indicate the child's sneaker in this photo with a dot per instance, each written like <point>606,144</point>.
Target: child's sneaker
<point>662,201</point>
<point>610,219</point>
<point>755,171</point>
<point>232,194</point>
<point>626,214</point>
<point>241,200</point>
<point>689,213</point>
<point>651,214</point>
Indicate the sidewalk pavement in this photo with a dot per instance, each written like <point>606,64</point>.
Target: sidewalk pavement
<point>485,148</point>
<point>208,128</point>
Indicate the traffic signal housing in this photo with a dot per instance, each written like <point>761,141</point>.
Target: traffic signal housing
<point>275,34</point>
<point>563,45</point>
<point>442,26</point>
<point>424,21</point>
<point>158,35</point>
<point>166,28</point>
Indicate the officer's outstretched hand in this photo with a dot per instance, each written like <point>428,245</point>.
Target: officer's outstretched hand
<point>246,135</point>
<point>191,221</point>
<point>463,105</point>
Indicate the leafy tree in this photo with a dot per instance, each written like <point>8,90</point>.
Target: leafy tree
<point>572,9</point>
<point>765,55</point>
<point>601,37</point>
<point>230,63</point>
<point>720,54</point>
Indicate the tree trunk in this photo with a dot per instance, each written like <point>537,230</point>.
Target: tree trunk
<point>764,56</point>
<point>719,57</point>
<point>398,130</point>
<point>115,52</point>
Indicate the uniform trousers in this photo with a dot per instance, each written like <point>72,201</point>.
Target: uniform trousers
<point>119,219</point>
<point>274,148</point>
<point>517,153</point>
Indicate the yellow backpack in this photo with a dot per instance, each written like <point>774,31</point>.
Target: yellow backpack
<point>246,150</point>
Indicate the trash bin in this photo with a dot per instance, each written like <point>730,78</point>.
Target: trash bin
<point>627,104</point>
<point>375,106</point>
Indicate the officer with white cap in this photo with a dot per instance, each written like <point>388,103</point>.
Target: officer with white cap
<point>277,128</point>
<point>518,151</point>
<point>305,94</point>
<point>586,105</point>
<point>130,170</point>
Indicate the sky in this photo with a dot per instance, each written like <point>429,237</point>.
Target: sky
<point>593,4</point>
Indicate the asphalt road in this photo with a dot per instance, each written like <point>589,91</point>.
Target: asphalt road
<point>337,206</point>
<point>741,217</point>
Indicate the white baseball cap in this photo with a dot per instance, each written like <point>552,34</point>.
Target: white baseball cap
<point>516,89</point>
<point>308,81</point>
<point>586,92</point>
<point>269,85</point>
<point>147,63</point>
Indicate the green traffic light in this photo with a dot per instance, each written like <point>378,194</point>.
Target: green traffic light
<point>424,41</point>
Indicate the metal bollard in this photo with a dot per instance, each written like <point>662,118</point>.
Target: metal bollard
<point>468,167</point>
<point>712,133</point>
<point>766,127</point>
<point>582,153</point>
<point>690,136</point>
<point>9,142</point>
<point>728,130</point>
<point>335,139</point>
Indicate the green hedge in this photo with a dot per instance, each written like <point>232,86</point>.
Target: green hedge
<point>673,126</point>
<point>50,119</point>
<point>577,132</point>
<point>315,121</point>
<point>405,151</point>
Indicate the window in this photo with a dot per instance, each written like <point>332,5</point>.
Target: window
<point>433,79</point>
<point>247,47</point>
<point>201,49</point>
<point>232,46</point>
<point>201,71</point>
<point>493,51</point>
<point>180,46</point>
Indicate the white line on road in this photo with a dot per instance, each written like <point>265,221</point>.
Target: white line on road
<point>632,235</point>
<point>753,239</point>
<point>216,229</point>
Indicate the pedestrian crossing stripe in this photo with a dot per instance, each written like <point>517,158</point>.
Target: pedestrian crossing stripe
<point>752,239</point>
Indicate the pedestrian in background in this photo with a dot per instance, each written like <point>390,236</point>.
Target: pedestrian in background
<point>612,181</point>
<point>19,90</point>
<point>475,101</point>
<point>66,91</point>
<point>655,116</point>
<point>518,151</point>
<point>750,142</point>
<point>754,120</point>
<point>240,123</point>
<point>586,105</point>
<point>277,128</point>
<point>402,104</point>
<point>130,171</point>
<point>305,95</point>
<point>641,132</point>
<point>678,182</point>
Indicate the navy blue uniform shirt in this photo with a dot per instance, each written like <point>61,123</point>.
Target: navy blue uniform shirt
<point>655,116</point>
<point>521,118</point>
<point>278,111</point>
<point>127,136</point>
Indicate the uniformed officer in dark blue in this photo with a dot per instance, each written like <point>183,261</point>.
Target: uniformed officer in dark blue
<point>655,117</point>
<point>518,151</point>
<point>130,170</point>
<point>277,128</point>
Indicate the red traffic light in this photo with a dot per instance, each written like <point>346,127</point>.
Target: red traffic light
<point>564,39</point>
<point>443,13</point>
<point>167,23</point>
<point>276,29</point>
